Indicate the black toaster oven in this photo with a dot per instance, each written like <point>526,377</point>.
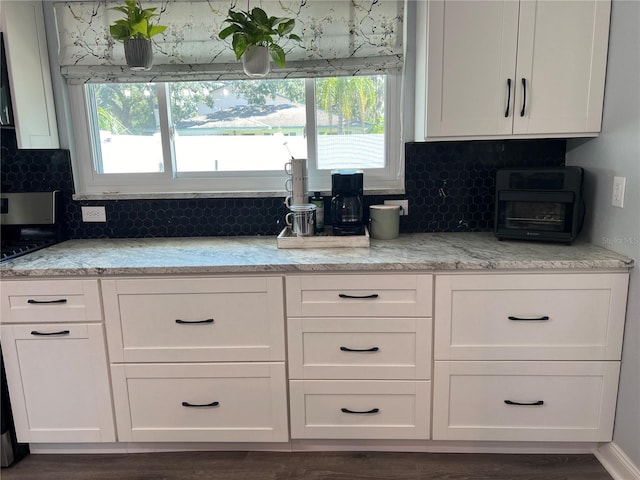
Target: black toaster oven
<point>543,204</point>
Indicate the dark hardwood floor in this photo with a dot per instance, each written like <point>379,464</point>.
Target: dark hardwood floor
<point>312,466</point>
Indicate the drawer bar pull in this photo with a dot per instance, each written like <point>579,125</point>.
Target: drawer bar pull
<point>373,410</point>
<point>344,295</point>
<point>532,404</point>
<point>47,302</point>
<point>196,405</point>
<point>43,334</point>
<point>535,319</point>
<point>372,349</point>
<point>183,322</point>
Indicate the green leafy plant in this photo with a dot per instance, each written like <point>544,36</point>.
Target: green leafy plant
<point>136,24</point>
<point>257,28</point>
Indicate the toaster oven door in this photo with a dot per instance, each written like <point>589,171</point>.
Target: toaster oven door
<point>549,216</point>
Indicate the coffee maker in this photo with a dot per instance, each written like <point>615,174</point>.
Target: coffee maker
<point>346,210</point>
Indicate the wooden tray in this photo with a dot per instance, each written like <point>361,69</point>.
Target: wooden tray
<point>287,239</point>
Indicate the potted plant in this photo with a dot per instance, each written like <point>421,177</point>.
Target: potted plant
<point>135,31</point>
<point>255,36</point>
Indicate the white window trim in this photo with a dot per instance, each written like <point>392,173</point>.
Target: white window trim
<point>90,185</point>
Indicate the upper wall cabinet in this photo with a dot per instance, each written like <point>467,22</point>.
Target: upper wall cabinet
<point>29,75</point>
<point>508,69</point>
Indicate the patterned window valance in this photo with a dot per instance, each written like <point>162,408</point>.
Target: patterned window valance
<point>340,37</point>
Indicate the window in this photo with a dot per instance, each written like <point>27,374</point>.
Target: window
<point>170,132</point>
<point>236,136</point>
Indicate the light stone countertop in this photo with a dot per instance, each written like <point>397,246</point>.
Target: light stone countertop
<point>223,255</point>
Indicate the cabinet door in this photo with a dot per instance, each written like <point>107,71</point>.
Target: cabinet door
<point>562,56</point>
<point>471,57</point>
<point>58,382</point>
<point>29,74</point>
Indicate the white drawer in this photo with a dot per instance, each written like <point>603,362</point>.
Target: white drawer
<point>530,317</point>
<point>563,401</point>
<point>362,348</point>
<point>359,296</point>
<point>38,301</point>
<point>168,402</point>
<point>197,319</point>
<point>341,409</point>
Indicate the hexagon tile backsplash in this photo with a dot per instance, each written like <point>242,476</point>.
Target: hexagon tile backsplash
<point>449,185</point>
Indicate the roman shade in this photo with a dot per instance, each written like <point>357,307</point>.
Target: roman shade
<point>339,37</point>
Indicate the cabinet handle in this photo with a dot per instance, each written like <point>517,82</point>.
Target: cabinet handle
<point>506,113</point>
<point>344,295</point>
<point>347,349</point>
<point>534,319</point>
<point>373,410</point>
<point>43,334</point>
<point>532,404</point>
<point>208,320</point>
<point>524,96</point>
<point>197,405</point>
<point>47,302</point>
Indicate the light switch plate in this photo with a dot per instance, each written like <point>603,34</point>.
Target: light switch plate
<point>617,198</point>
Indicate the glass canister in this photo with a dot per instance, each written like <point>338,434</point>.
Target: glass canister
<point>302,219</point>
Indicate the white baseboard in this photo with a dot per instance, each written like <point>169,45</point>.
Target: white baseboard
<point>139,447</point>
<point>425,446</point>
<point>616,462</point>
<point>436,446</point>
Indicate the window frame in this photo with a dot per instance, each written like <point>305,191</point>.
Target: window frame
<point>91,184</point>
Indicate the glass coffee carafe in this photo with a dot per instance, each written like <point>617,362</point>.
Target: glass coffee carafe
<point>346,210</point>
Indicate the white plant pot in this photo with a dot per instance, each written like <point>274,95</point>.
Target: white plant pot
<point>138,53</point>
<point>256,61</point>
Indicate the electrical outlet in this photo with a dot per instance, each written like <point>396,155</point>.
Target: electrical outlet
<point>404,204</point>
<point>617,198</point>
<point>93,214</point>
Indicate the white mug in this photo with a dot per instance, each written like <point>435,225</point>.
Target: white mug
<point>296,167</point>
<point>292,200</point>
<point>297,187</point>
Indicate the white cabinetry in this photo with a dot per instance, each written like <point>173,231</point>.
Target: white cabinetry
<point>56,362</point>
<point>167,341</point>
<point>509,69</point>
<point>29,75</point>
<point>359,356</point>
<point>531,357</point>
